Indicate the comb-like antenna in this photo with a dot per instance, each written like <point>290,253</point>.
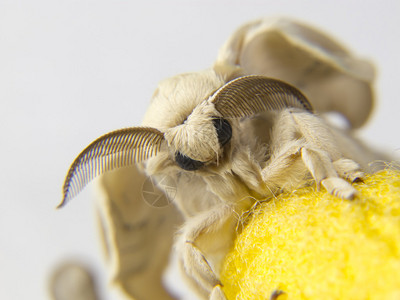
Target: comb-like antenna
<point>113,150</point>
<point>248,95</point>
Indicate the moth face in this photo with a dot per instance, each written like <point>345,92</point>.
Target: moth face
<point>200,140</point>
<point>194,139</point>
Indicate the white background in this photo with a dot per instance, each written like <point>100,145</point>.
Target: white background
<point>73,70</point>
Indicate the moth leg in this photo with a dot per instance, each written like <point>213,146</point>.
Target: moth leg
<point>276,294</point>
<point>202,246</point>
<point>137,237</point>
<point>349,169</point>
<point>287,169</point>
<point>217,293</point>
<point>318,135</point>
<point>319,151</point>
<point>284,170</point>
<point>324,173</point>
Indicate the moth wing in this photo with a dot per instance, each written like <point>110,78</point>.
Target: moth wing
<point>332,78</point>
<point>137,226</point>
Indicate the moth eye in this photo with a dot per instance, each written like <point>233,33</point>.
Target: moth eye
<point>187,163</point>
<point>224,130</point>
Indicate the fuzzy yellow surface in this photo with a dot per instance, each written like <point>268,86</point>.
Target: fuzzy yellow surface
<point>311,245</point>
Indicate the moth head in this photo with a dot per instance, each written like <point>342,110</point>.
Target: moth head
<point>198,141</point>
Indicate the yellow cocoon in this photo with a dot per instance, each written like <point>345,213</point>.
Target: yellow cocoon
<point>311,245</point>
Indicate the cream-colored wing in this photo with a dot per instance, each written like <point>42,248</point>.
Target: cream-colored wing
<point>332,78</point>
<point>137,224</point>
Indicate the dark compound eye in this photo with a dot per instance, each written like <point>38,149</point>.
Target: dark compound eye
<point>187,163</point>
<point>224,130</point>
